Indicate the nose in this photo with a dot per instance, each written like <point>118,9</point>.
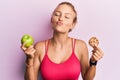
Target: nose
<point>61,18</point>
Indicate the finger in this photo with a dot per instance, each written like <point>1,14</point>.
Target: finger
<point>99,52</point>
<point>95,58</point>
<point>30,52</point>
<point>30,46</point>
<point>98,55</point>
<point>98,49</point>
<point>24,44</point>
<point>23,47</point>
<point>95,46</point>
<point>93,51</point>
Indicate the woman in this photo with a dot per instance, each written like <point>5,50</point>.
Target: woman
<point>61,57</point>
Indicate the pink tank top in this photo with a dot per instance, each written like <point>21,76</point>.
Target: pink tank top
<point>68,70</point>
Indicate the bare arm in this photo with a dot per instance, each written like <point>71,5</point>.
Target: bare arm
<point>32,63</point>
<point>88,72</point>
<point>32,69</point>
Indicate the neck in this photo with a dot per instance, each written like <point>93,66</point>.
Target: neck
<point>59,40</point>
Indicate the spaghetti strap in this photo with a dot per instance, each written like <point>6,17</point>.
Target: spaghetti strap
<point>73,44</point>
<point>46,46</point>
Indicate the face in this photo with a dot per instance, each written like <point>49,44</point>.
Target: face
<point>62,18</point>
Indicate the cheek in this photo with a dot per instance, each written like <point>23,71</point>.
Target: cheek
<point>53,20</point>
<point>69,23</point>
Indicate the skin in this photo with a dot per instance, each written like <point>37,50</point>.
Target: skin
<point>60,46</point>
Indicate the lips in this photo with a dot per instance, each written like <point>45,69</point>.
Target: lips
<point>59,23</point>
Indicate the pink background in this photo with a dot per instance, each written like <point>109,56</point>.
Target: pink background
<point>100,18</point>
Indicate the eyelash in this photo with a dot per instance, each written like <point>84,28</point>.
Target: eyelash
<point>67,17</point>
<point>57,14</point>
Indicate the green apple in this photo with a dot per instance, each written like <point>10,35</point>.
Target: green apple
<point>27,39</point>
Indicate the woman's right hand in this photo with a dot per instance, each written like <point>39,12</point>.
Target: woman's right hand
<point>28,51</point>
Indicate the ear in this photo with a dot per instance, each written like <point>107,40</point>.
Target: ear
<point>73,25</point>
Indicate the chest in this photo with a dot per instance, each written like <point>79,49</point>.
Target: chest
<point>69,69</point>
<point>59,55</point>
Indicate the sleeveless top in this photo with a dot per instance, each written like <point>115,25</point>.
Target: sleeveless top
<point>67,70</point>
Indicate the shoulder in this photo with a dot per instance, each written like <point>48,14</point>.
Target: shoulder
<point>81,43</point>
<point>39,45</point>
<point>81,48</point>
<point>40,49</point>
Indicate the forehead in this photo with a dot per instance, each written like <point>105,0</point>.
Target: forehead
<point>64,8</point>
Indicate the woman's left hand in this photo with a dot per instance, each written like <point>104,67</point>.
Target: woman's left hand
<point>97,53</point>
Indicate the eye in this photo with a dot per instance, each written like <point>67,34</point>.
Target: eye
<point>67,17</point>
<point>57,14</point>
